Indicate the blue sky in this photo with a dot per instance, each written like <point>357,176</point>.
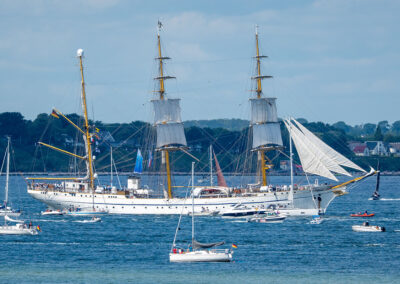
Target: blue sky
<point>331,60</point>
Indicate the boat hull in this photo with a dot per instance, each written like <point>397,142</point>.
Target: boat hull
<point>361,228</point>
<point>201,256</point>
<point>304,204</point>
<point>16,230</point>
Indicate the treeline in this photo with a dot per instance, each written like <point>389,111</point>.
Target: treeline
<point>231,145</point>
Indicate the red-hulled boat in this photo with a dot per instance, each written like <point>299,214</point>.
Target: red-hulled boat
<point>365,214</point>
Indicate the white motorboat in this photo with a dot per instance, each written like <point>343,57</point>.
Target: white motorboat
<point>52,212</point>
<point>18,229</point>
<point>240,210</point>
<point>269,217</point>
<point>93,220</point>
<point>5,209</point>
<point>366,227</point>
<point>198,252</point>
<point>316,220</point>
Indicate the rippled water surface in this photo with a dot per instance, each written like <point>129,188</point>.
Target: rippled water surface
<point>135,249</point>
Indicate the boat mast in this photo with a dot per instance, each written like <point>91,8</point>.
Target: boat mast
<point>192,203</point>
<point>161,92</point>
<point>111,166</point>
<point>87,136</point>
<point>7,170</point>
<point>259,77</point>
<point>211,166</point>
<point>291,168</point>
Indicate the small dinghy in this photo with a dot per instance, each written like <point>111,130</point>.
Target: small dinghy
<point>18,229</point>
<point>316,219</point>
<point>365,214</point>
<point>93,220</point>
<point>269,217</point>
<point>52,212</point>
<point>366,227</point>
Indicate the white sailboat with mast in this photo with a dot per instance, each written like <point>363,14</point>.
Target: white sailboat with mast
<point>6,209</point>
<point>198,252</point>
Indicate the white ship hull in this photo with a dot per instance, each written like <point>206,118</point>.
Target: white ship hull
<point>304,204</point>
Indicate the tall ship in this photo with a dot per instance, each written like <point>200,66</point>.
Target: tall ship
<point>86,192</point>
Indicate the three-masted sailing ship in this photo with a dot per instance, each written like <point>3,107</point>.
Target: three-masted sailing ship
<point>82,192</point>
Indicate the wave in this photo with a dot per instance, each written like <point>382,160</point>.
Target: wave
<point>390,199</point>
<point>49,220</point>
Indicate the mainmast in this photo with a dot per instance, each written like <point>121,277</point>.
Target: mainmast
<point>86,134</point>
<point>266,131</point>
<point>170,134</point>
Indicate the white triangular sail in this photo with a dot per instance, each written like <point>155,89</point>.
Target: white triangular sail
<point>331,153</point>
<point>310,161</point>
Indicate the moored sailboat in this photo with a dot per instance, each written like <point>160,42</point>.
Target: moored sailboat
<point>5,208</point>
<point>198,252</point>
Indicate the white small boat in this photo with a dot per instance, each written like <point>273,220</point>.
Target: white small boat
<point>18,229</point>
<point>269,217</point>
<point>239,210</point>
<point>215,255</point>
<point>52,212</point>
<point>93,220</point>
<point>316,219</point>
<point>366,227</point>
<point>6,210</point>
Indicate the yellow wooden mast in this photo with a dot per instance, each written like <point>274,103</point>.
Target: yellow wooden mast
<point>87,135</point>
<point>259,92</point>
<point>161,92</point>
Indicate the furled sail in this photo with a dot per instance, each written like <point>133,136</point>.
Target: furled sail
<point>264,122</point>
<point>167,119</point>
<point>197,245</point>
<point>310,161</point>
<point>331,153</point>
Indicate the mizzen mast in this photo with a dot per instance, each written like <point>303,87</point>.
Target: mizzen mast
<point>264,119</point>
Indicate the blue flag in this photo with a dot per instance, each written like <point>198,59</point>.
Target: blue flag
<point>139,163</point>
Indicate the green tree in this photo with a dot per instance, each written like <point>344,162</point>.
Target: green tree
<point>378,136</point>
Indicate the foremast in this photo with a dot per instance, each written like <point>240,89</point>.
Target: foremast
<point>87,136</point>
<point>170,134</point>
<point>264,120</point>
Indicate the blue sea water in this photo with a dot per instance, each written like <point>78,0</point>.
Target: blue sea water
<point>134,249</point>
